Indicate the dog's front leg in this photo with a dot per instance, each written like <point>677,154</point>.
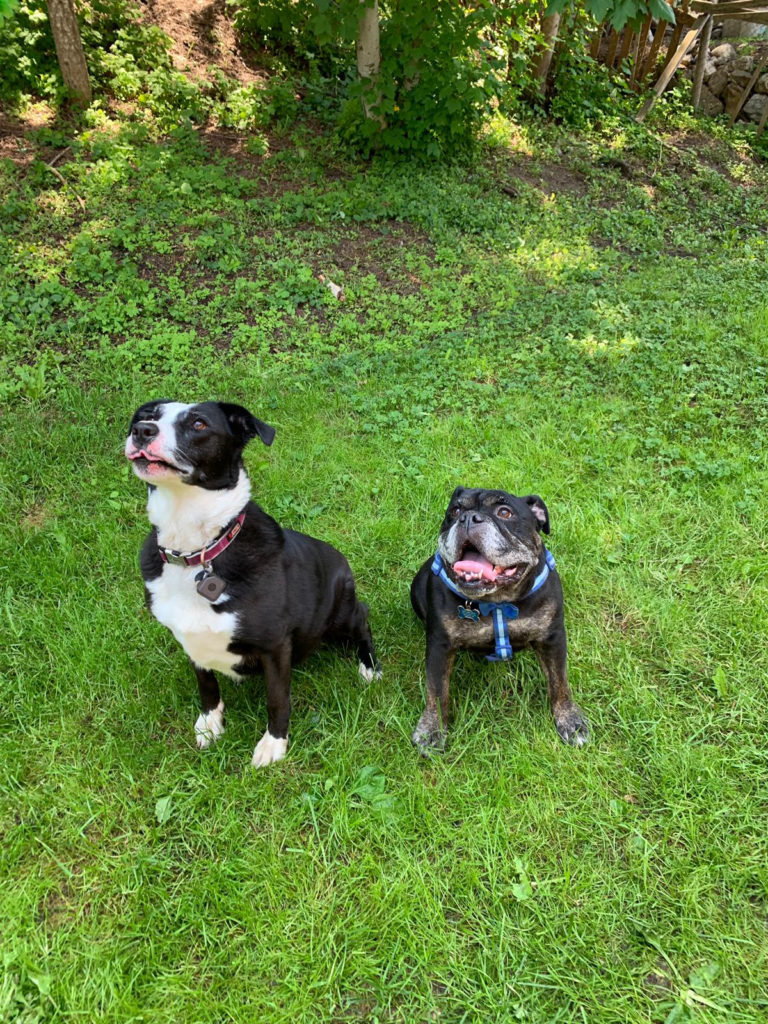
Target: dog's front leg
<point>277,672</point>
<point>429,734</point>
<point>570,722</point>
<point>210,725</point>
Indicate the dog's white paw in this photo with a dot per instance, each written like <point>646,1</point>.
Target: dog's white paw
<point>368,674</point>
<point>210,726</point>
<point>268,750</point>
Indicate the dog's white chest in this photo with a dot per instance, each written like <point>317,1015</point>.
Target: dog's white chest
<point>204,633</point>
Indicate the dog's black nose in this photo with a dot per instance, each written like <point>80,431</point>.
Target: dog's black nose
<point>476,517</point>
<point>144,431</point>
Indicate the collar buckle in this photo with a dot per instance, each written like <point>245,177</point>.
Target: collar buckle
<point>172,558</point>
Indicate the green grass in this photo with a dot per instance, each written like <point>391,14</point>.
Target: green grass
<point>599,338</point>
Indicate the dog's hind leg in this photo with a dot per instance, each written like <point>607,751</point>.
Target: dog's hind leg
<point>351,628</point>
<point>368,666</point>
<point>210,724</point>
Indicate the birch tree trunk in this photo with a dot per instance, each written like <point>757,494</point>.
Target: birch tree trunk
<point>549,29</point>
<point>69,49</point>
<point>369,57</point>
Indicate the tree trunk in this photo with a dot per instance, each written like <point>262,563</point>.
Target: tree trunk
<point>549,29</point>
<point>369,57</point>
<point>69,49</point>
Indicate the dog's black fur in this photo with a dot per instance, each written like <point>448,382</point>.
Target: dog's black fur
<point>502,530</point>
<point>287,592</point>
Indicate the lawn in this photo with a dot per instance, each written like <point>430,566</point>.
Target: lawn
<point>580,316</point>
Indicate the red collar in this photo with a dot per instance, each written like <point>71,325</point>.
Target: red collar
<point>207,553</point>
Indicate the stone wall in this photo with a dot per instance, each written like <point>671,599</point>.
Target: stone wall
<point>726,74</point>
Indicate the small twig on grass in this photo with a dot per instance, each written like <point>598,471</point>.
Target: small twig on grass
<point>59,156</point>
<point>65,183</point>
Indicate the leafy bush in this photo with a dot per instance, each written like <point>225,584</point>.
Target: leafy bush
<point>439,67</point>
<point>28,55</point>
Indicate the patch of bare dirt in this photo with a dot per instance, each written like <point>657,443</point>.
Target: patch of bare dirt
<point>15,144</point>
<point>551,178</point>
<point>360,252</point>
<point>203,35</point>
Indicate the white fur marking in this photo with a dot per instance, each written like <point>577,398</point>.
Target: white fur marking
<point>210,726</point>
<point>368,674</point>
<point>268,750</point>
<point>187,516</point>
<point>204,634</point>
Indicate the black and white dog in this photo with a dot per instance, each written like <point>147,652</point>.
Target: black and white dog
<point>238,592</point>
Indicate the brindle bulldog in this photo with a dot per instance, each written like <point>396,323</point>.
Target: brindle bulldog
<point>492,586</point>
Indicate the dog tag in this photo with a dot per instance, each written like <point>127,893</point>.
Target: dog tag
<point>210,586</point>
<point>469,613</point>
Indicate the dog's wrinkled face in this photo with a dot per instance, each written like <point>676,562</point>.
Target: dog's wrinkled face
<point>490,542</point>
<point>169,442</point>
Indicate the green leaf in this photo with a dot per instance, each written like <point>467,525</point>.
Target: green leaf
<point>371,788</point>
<point>660,9</point>
<point>623,12</point>
<point>599,9</point>
<point>720,679</point>
<point>163,809</point>
<point>702,977</point>
<point>678,1012</point>
<point>7,8</point>
<point>522,890</point>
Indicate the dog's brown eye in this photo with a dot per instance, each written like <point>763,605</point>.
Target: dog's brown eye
<point>453,512</point>
<point>199,425</point>
<point>504,512</point>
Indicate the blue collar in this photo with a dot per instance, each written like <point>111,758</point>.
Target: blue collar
<point>502,611</point>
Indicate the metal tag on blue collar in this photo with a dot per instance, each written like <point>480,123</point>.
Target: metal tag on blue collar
<point>469,613</point>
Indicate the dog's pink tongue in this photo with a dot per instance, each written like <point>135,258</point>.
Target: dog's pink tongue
<point>476,564</point>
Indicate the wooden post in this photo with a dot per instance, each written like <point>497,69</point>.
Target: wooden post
<point>698,78</point>
<point>672,65</point>
<point>594,46</point>
<point>650,60</point>
<point>763,119</point>
<point>639,50</point>
<point>748,88</point>
<point>626,43</point>
<point>613,45</point>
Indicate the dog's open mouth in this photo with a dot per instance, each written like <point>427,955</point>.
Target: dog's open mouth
<point>473,567</point>
<point>145,463</point>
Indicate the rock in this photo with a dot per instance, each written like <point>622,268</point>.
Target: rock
<point>762,84</point>
<point>743,63</point>
<point>709,104</point>
<point>754,107</point>
<point>731,97</point>
<point>716,83</point>
<point>733,29</point>
<point>709,67</point>
<point>723,53</point>
<point>739,78</point>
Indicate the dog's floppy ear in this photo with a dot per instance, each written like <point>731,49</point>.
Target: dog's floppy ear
<point>245,426</point>
<point>539,510</point>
